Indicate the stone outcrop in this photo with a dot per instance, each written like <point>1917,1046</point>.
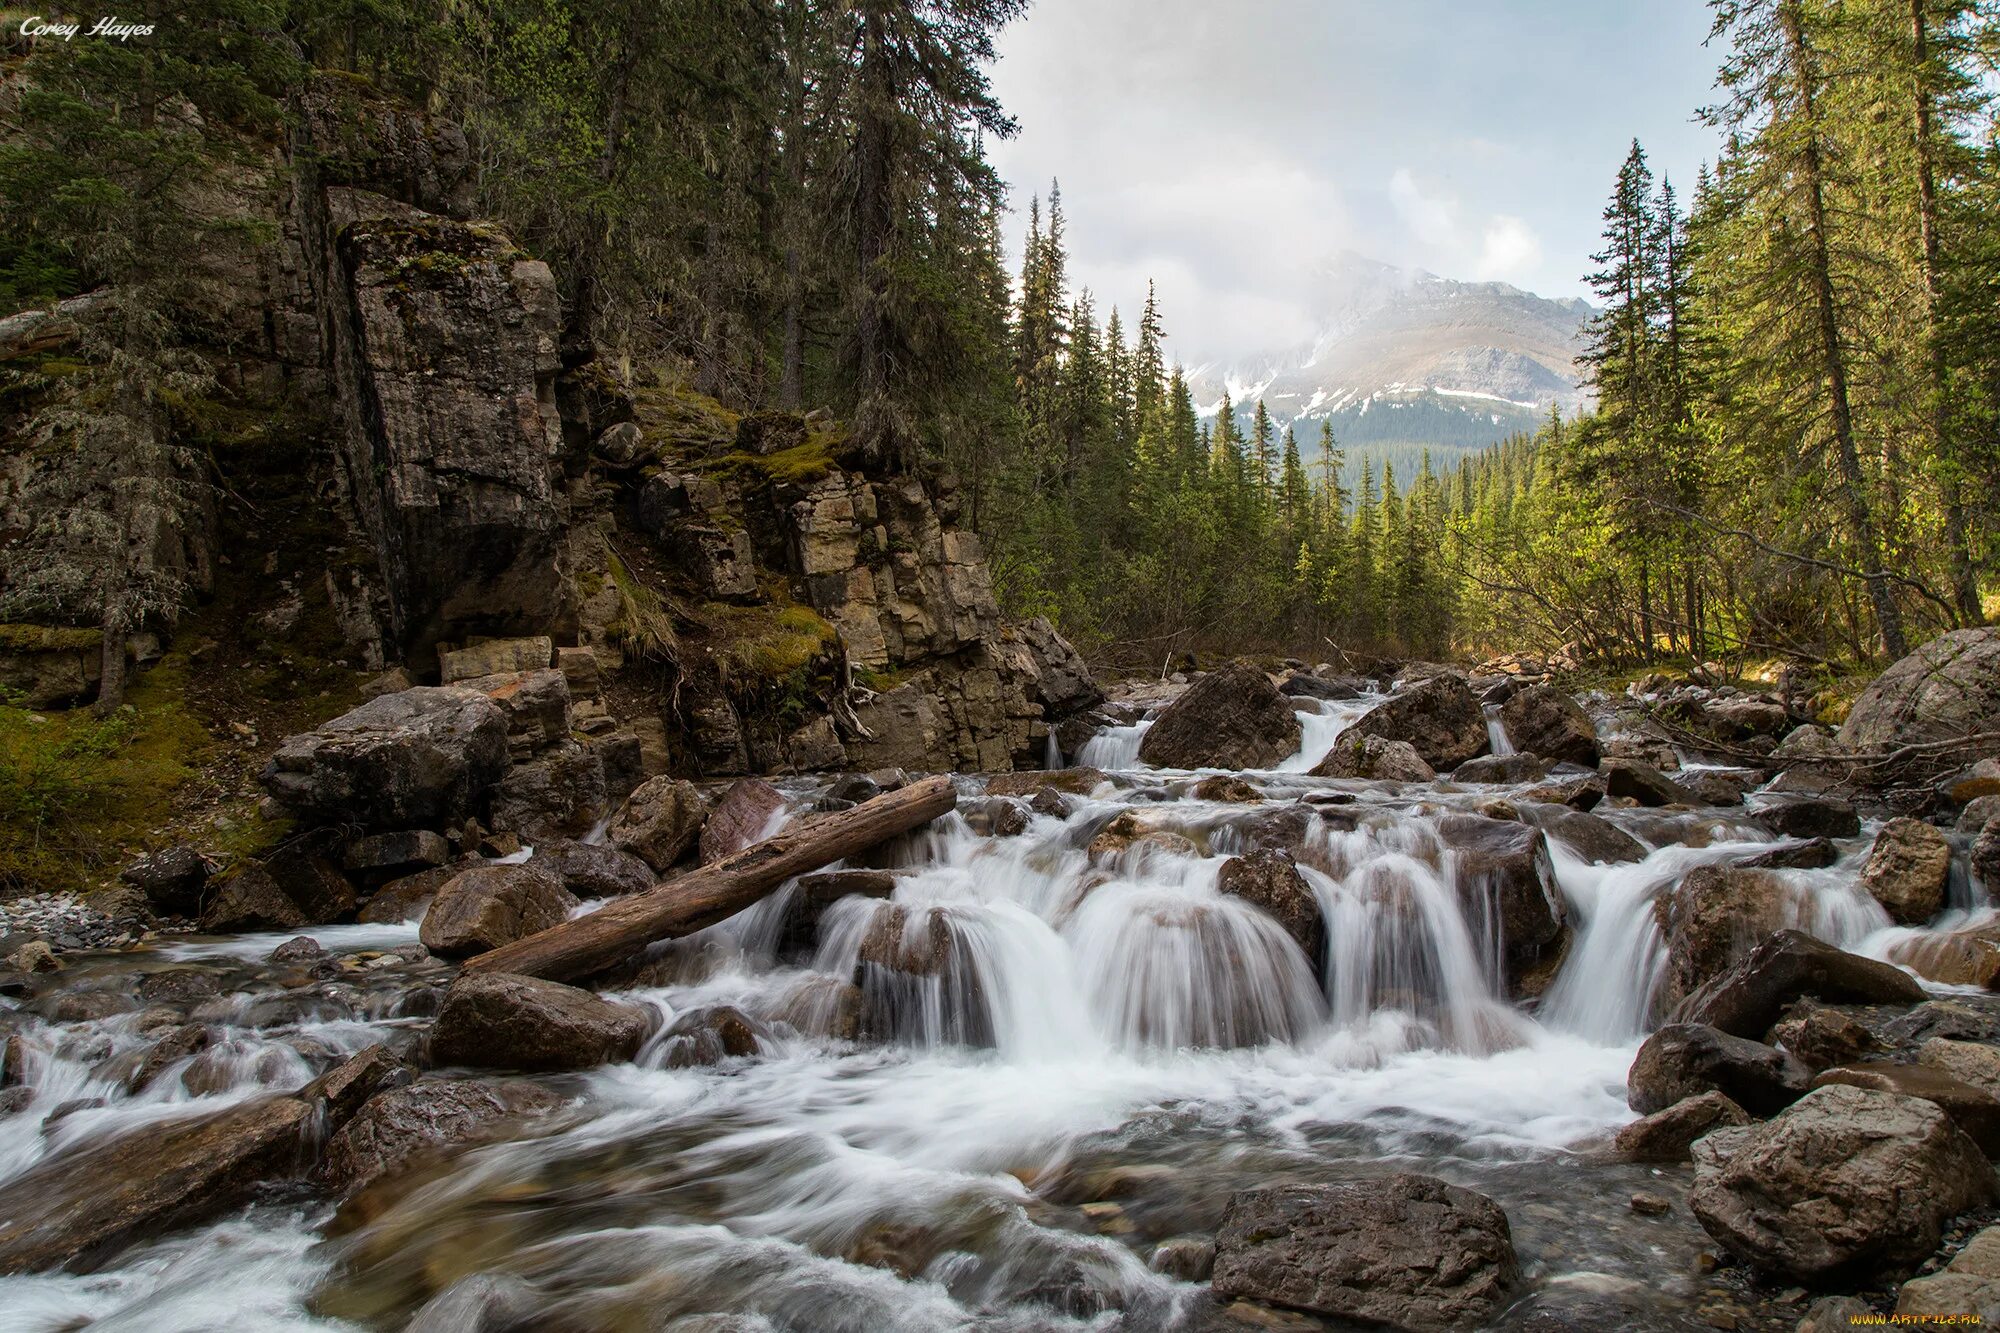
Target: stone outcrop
<point>1232,717</point>
<point>1440,718</point>
<point>1408,1252</point>
<point>1848,1183</point>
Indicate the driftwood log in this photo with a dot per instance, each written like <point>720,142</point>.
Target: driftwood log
<point>715,892</point>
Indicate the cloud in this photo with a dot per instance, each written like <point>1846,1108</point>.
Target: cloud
<point>1510,251</point>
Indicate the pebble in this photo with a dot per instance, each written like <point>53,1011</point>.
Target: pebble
<point>63,920</point>
<point>1650,1205</point>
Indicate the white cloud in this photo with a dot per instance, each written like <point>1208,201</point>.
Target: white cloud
<point>1510,251</point>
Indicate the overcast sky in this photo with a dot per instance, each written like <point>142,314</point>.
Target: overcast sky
<point>1224,147</point>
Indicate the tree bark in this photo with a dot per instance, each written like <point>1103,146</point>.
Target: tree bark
<point>1964,579</point>
<point>1888,616</point>
<point>716,892</point>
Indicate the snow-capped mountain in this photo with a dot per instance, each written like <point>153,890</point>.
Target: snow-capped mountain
<point>1407,360</point>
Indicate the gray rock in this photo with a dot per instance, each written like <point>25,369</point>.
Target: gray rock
<point>1372,758</point>
<point>499,1021</point>
<point>398,1127</point>
<point>1643,783</point>
<point>1848,1183</point>
<point>1543,720</point>
<point>594,870</point>
<point>1684,1060</point>
<point>1407,1252</point>
<point>1907,870</point>
<point>1272,882</point>
<point>1949,687</point>
<point>1668,1135</point>
<point>491,905</point>
<point>172,880</point>
<point>1507,883</point>
<point>1440,719</point>
<point>1230,718</point>
<point>1809,817</point>
<point>423,756</point>
<point>659,821</point>
<point>1749,997</point>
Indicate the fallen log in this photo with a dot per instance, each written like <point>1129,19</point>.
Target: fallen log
<point>717,891</point>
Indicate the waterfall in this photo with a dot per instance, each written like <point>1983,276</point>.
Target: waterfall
<point>1052,755</point>
<point>1115,749</point>
<point>1319,729</point>
<point>1496,731</point>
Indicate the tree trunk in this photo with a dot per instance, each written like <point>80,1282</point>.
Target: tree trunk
<point>718,891</point>
<point>1888,616</point>
<point>874,218</point>
<point>1958,542</point>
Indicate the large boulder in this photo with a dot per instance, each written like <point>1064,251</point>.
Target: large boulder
<point>1809,817</point>
<point>1973,1109</point>
<point>171,879</point>
<point>1749,997</point>
<point>1666,1136</point>
<point>1596,840</point>
<point>1908,870</point>
<point>659,821</point>
<point>1636,780</point>
<point>1948,688</point>
<point>1505,879</point>
<point>1543,720</point>
<point>595,869</point>
<point>491,905</point>
<point>495,1020</point>
<point>295,886</point>
<point>1374,759</point>
<point>740,818</point>
<point>1232,717</point>
<point>397,1128</point>
<point>1407,1252</point>
<point>1440,718</point>
<point>1270,880</point>
<point>1847,1184</point>
<point>1684,1060</point>
<point>419,756</point>
<point>79,1207</point>
<point>1713,918</point>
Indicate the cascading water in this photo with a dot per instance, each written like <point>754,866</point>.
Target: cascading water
<point>978,1099</point>
<point>1497,739</point>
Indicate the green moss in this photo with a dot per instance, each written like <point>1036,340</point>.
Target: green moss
<point>764,646</point>
<point>48,639</point>
<point>643,626</point>
<point>802,463</point>
<point>76,790</point>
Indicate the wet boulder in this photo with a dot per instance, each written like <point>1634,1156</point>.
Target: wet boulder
<point>1968,956</point>
<point>1821,1037</point>
<point>499,1021</point>
<point>1973,1062</point>
<point>1747,998</point>
<point>1407,1252</point>
<point>659,821</point>
<point>1503,876</point>
<point>1491,768</point>
<point>1636,780</point>
<point>408,898</point>
<point>1544,720</point>
<point>1984,860</point>
<point>1948,688</point>
<point>1080,780</point>
<point>399,1127</point>
<point>1226,788</point>
<point>1713,918</point>
<point>1596,840</point>
<point>384,856</point>
<point>1907,871</point>
<point>1305,685</point>
<point>1667,1135</point>
<point>1812,854</point>
<point>172,880</point>
<point>740,818</point>
<point>560,794</point>
<point>916,982</point>
<point>492,905</point>
<point>1715,787</point>
<point>594,870</point>
<point>416,757</point>
<point>1372,758</point>
<point>1440,718</point>
<point>1973,1109</point>
<point>1685,1060</point>
<point>1272,882</point>
<point>1847,1184</point>
<point>799,934</point>
<point>1809,817</point>
<point>708,1037</point>
<point>1232,717</point>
